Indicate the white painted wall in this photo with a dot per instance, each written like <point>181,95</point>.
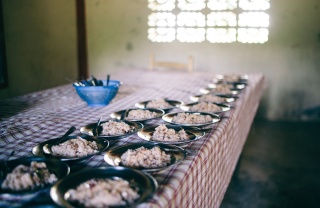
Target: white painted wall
<point>290,60</point>
<point>41,49</point>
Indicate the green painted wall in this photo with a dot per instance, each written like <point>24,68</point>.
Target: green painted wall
<point>40,44</point>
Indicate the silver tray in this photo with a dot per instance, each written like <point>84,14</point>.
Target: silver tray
<point>223,107</point>
<point>59,168</point>
<point>43,149</point>
<point>196,98</point>
<point>193,134</point>
<point>169,116</point>
<point>113,156</point>
<point>121,115</point>
<point>207,90</point>
<point>174,103</point>
<point>146,184</point>
<point>88,129</point>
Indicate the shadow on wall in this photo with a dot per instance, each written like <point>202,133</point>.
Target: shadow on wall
<point>293,107</point>
<point>311,113</point>
<point>263,106</point>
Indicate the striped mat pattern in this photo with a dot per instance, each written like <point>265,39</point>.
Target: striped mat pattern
<point>199,181</point>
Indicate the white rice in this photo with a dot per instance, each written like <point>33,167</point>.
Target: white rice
<point>187,118</point>
<point>28,177</point>
<point>72,148</point>
<point>222,88</point>
<point>103,193</point>
<point>162,133</point>
<point>141,114</point>
<point>205,107</point>
<point>146,158</point>
<point>113,128</point>
<point>159,103</point>
<point>211,98</point>
<point>231,78</point>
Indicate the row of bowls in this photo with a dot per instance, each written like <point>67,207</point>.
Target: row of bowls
<point>102,95</point>
<point>97,96</point>
<point>116,152</point>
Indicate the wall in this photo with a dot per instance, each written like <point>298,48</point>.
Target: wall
<point>40,44</point>
<point>41,49</point>
<point>290,60</point>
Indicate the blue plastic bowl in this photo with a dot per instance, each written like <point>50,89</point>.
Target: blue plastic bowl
<point>98,95</point>
<point>111,82</point>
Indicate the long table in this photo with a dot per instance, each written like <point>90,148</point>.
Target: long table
<point>200,180</point>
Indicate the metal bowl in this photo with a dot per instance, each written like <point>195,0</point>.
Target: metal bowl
<point>223,107</point>
<point>59,168</point>
<point>43,149</point>
<point>122,115</point>
<point>177,154</point>
<point>193,134</point>
<point>169,117</point>
<point>173,103</point>
<point>89,130</point>
<point>146,184</point>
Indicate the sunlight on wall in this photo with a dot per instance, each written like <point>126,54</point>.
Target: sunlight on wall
<point>216,21</point>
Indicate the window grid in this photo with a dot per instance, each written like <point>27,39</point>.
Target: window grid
<point>216,21</point>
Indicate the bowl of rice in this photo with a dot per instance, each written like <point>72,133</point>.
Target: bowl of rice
<point>27,178</point>
<point>212,98</point>
<point>109,187</point>
<point>137,114</point>
<point>190,118</point>
<point>164,104</point>
<point>206,107</point>
<point>73,149</point>
<point>170,134</point>
<point>112,129</point>
<point>149,157</point>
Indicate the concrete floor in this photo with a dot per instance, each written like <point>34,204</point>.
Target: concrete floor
<point>279,167</point>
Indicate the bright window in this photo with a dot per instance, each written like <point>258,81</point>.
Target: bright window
<point>216,21</point>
